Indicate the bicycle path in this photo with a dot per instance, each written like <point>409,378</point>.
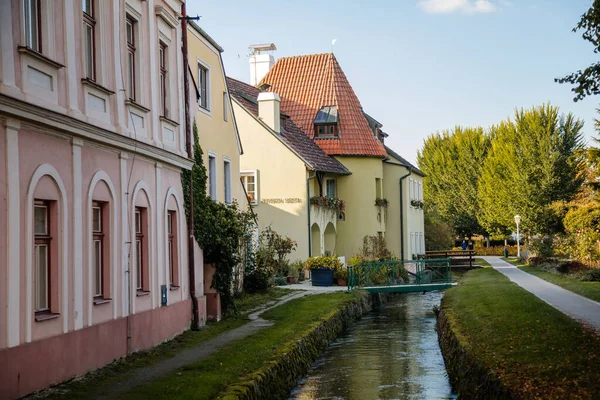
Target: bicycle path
<point>575,306</point>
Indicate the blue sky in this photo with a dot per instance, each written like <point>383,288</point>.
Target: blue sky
<point>420,66</point>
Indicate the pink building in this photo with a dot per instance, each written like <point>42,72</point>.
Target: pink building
<point>93,234</point>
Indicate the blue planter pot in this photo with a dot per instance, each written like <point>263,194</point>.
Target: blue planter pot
<point>322,277</point>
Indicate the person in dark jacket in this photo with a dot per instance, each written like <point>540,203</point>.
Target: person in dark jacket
<point>464,245</point>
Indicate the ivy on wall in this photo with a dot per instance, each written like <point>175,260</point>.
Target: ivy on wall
<point>219,228</point>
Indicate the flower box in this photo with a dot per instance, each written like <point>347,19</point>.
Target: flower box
<point>321,276</point>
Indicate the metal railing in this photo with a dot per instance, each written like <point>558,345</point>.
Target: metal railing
<point>399,272</point>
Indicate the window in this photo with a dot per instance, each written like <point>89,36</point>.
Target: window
<point>420,191</point>
<point>131,64</point>
<point>162,54</point>
<point>227,183</point>
<point>172,248</point>
<point>203,77</point>
<point>422,243</point>
<point>378,188</point>
<point>412,244</point>
<point>328,130</point>
<point>250,186</point>
<point>41,211</point>
<point>89,39</point>
<point>98,248</point>
<point>330,187</point>
<point>32,25</point>
<point>141,274</point>
<point>410,189</point>
<point>225,106</point>
<point>212,177</point>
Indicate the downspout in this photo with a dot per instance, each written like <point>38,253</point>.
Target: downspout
<point>188,146</point>
<point>314,175</point>
<point>402,212</point>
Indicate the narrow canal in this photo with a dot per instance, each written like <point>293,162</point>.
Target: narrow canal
<point>392,353</point>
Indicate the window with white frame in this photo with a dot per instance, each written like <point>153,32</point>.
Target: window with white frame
<point>43,239</point>
<point>420,191</point>
<point>172,252</point>
<point>330,187</point>
<point>130,27</point>
<point>225,103</point>
<point>422,237</point>
<point>227,180</point>
<point>212,176</point>
<point>142,278</point>
<point>410,189</point>
<point>250,182</point>
<point>203,86</point>
<point>98,248</point>
<point>163,65</point>
<point>412,243</point>
<point>32,23</point>
<point>89,39</point>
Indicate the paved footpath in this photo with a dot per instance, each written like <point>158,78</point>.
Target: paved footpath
<point>569,303</point>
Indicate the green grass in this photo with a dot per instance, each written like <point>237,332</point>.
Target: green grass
<point>209,377</point>
<point>591,290</point>
<point>535,349</point>
<point>125,367</point>
<point>481,262</point>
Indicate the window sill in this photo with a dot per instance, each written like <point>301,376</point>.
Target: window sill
<point>168,121</point>
<point>46,316</point>
<point>137,105</point>
<point>101,300</point>
<point>39,56</point>
<point>205,110</point>
<point>89,82</point>
<point>142,293</point>
<point>174,287</point>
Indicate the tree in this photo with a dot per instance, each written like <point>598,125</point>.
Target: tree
<point>438,234</point>
<point>453,163</point>
<point>587,82</point>
<point>535,160</point>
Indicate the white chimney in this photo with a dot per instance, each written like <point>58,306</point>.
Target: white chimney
<point>269,111</point>
<point>261,61</point>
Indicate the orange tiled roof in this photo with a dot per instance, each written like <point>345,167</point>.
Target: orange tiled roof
<point>307,83</point>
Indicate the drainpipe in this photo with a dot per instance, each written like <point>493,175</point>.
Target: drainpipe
<point>314,175</point>
<point>188,146</point>
<point>402,213</point>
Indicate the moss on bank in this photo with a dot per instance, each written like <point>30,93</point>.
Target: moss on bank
<point>501,342</point>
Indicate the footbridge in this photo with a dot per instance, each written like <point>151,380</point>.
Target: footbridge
<point>401,276</point>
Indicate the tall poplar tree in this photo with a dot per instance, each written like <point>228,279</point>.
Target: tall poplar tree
<point>453,163</point>
<point>534,161</point>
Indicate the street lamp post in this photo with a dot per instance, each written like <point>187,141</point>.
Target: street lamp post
<point>517,220</point>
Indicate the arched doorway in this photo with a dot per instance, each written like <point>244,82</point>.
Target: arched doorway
<point>330,237</point>
<point>315,240</point>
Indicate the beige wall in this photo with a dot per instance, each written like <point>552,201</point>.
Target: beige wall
<point>281,175</point>
<point>359,192</point>
<point>217,135</point>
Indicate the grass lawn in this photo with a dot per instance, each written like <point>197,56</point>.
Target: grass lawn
<point>481,262</point>
<point>209,377</point>
<point>532,347</point>
<point>124,367</point>
<point>591,290</point>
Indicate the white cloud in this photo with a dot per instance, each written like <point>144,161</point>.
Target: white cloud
<point>451,6</point>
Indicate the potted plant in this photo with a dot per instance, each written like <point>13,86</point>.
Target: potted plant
<point>322,269</point>
<point>341,274</point>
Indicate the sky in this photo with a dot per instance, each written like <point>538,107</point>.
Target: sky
<point>421,66</point>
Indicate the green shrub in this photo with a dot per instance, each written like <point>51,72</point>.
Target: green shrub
<point>280,281</point>
<point>592,275</point>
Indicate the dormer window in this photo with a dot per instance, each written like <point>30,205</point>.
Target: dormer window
<point>326,122</point>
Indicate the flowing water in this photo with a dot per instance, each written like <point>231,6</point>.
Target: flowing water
<point>392,353</point>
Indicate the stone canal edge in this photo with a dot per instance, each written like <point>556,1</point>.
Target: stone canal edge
<point>279,376</point>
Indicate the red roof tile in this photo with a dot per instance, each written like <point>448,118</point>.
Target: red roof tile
<point>307,83</point>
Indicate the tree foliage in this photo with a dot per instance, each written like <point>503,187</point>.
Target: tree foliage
<point>535,160</point>
<point>587,82</point>
<point>438,234</point>
<point>219,229</point>
<point>453,163</point>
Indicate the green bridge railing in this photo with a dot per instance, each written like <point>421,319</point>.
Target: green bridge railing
<point>400,272</point>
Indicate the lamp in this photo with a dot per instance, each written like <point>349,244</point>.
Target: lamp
<point>517,221</point>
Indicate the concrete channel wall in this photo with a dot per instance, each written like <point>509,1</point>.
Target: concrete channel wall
<point>277,378</point>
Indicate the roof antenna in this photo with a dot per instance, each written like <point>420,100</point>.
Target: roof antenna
<point>333,44</point>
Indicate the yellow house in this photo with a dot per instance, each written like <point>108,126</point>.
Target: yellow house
<point>282,169</point>
<point>217,129</point>
<point>316,94</point>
